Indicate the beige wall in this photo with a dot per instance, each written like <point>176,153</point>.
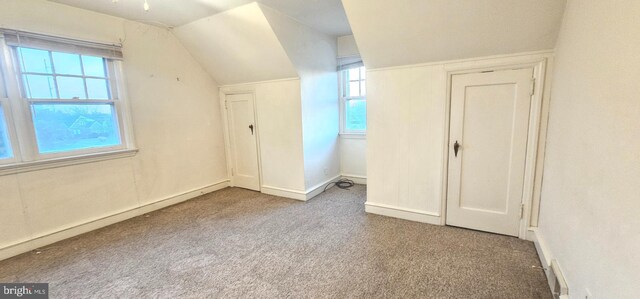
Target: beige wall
<point>314,56</point>
<point>591,188</point>
<point>353,157</point>
<point>347,46</point>
<point>278,107</point>
<point>406,111</point>
<point>405,127</point>
<point>176,123</point>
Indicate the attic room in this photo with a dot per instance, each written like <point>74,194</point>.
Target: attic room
<point>319,149</point>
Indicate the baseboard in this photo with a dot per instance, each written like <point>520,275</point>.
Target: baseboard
<point>541,247</point>
<point>282,192</point>
<point>319,188</point>
<point>299,195</point>
<point>402,213</point>
<point>543,252</point>
<point>358,179</point>
<point>26,246</point>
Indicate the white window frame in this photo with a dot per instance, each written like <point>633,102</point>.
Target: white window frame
<point>17,108</point>
<point>345,98</point>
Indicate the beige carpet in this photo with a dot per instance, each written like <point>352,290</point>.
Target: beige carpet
<point>238,243</point>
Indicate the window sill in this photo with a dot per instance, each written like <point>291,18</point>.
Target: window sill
<point>353,135</point>
<point>66,161</point>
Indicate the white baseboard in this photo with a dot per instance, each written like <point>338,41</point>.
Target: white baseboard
<point>317,189</point>
<point>22,247</point>
<point>282,192</point>
<point>299,195</point>
<point>541,246</point>
<point>358,179</point>
<point>402,213</point>
<point>543,252</point>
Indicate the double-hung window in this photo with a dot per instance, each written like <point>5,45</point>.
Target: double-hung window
<point>60,98</point>
<point>353,100</point>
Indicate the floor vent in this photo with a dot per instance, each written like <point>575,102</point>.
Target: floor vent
<point>557,283</point>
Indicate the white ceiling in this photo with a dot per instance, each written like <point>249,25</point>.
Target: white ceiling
<point>326,16</point>
<point>390,33</point>
<point>237,60</point>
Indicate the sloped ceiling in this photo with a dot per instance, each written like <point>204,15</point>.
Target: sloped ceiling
<point>237,46</point>
<point>391,33</point>
<point>326,16</point>
<point>310,51</point>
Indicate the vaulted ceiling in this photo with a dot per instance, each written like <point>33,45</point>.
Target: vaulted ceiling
<point>390,33</point>
<point>254,43</point>
<point>326,16</point>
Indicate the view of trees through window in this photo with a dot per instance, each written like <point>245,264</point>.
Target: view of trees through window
<point>64,127</point>
<point>355,99</point>
<point>86,118</point>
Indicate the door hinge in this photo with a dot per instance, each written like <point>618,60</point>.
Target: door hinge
<point>521,210</point>
<point>225,105</point>
<point>533,86</point>
<point>232,174</point>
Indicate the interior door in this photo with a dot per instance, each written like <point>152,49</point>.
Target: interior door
<point>243,142</point>
<point>488,144</point>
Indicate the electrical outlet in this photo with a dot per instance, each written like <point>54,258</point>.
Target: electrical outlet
<point>326,171</point>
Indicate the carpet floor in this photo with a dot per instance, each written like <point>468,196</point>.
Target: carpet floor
<point>236,243</point>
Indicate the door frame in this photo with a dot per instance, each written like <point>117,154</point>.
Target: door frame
<point>536,137</point>
<point>227,139</point>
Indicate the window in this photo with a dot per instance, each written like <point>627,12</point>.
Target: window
<point>65,101</point>
<point>5,146</point>
<point>70,100</point>
<point>353,100</point>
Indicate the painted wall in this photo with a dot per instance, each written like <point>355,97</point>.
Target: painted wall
<point>226,44</point>
<point>353,157</point>
<point>278,105</point>
<point>392,33</point>
<point>176,124</point>
<point>405,127</point>
<point>237,46</point>
<point>590,198</point>
<point>314,56</point>
<point>406,111</point>
<point>347,46</point>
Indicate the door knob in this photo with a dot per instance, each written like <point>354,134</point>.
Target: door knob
<point>456,147</point>
<point>251,127</point>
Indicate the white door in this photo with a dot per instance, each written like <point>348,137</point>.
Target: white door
<point>242,138</point>
<point>488,145</point>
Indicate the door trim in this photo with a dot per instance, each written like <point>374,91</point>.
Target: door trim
<point>227,143</point>
<point>535,138</point>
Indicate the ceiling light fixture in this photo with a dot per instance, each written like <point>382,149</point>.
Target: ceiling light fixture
<point>145,5</point>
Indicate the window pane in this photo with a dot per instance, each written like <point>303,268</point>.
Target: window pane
<point>354,74</point>
<point>5,145</point>
<point>363,73</point>
<point>363,88</point>
<point>34,61</point>
<point>67,127</point>
<point>39,87</point>
<point>71,87</point>
<point>94,66</point>
<point>98,89</point>
<point>3,89</point>
<point>67,64</point>
<point>356,115</point>
<point>354,89</point>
